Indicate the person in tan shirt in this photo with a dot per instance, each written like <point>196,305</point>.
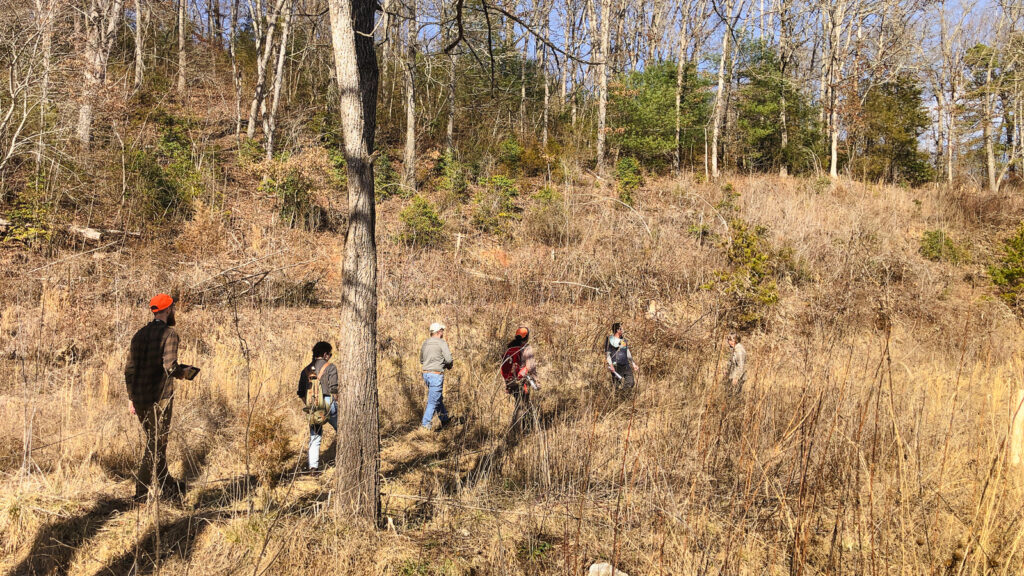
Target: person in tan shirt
<point>736,372</point>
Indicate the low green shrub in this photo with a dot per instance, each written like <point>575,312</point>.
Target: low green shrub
<point>749,287</point>
<point>628,179</point>
<point>30,214</point>
<point>298,209</point>
<point>339,168</point>
<point>510,156</point>
<point>453,177</point>
<point>495,204</point>
<point>386,180</point>
<point>546,219</point>
<point>165,175</point>
<point>1008,273</point>
<point>250,151</point>
<point>937,246</point>
<point>423,226</point>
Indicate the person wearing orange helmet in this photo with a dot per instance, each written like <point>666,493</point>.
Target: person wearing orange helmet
<point>149,377</point>
<point>518,370</point>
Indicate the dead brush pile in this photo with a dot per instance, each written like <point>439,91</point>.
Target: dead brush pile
<point>873,437</point>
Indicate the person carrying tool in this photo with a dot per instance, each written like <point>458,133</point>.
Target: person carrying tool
<point>435,358</point>
<point>619,360</point>
<point>518,370</point>
<point>149,377</point>
<point>318,388</point>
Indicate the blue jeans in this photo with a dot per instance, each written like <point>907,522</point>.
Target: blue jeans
<point>316,433</point>
<point>435,399</point>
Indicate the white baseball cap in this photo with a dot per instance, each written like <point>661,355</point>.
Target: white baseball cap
<point>436,327</point>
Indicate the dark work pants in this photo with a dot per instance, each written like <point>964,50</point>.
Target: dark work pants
<point>156,426</point>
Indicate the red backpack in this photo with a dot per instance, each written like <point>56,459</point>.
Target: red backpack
<point>510,363</point>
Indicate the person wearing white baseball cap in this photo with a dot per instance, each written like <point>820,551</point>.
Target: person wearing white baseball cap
<point>435,358</point>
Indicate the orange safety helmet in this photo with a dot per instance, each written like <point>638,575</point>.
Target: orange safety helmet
<point>160,302</point>
<point>523,332</point>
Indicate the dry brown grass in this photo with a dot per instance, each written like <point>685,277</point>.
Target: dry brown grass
<point>873,439</point>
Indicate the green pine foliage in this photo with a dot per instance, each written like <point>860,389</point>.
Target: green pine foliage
<point>642,110</point>
<point>937,246</point>
<point>1008,273</point>
<point>628,179</point>
<point>453,177</point>
<point>763,89</point>
<point>886,146</point>
<point>749,285</point>
<point>166,180</point>
<point>298,209</point>
<point>386,180</point>
<point>423,225</point>
<point>495,204</point>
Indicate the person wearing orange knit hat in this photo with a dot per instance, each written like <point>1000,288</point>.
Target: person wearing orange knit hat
<point>149,376</point>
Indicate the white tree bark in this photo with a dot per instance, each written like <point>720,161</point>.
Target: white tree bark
<point>182,30</point>
<point>140,31</point>
<point>270,124</point>
<point>602,82</point>
<point>410,99</point>
<point>100,21</point>
<point>236,69</point>
<point>719,113</point>
<point>264,46</point>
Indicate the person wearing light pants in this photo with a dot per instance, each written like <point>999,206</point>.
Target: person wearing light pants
<point>435,358</point>
<point>322,375</point>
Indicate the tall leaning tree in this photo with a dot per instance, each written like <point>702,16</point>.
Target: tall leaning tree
<point>355,61</point>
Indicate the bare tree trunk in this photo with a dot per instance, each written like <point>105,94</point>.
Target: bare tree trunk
<point>570,46</point>
<point>655,32</point>
<point>950,140</point>
<point>986,131</point>
<point>681,65</point>
<point>100,21</point>
<point>282,54</point>
<point>140,28</point>
<point>410,99</point>
<point>837,15</point>
<point>522,86</point>
<point>182,28</point>
<point>45,15</point>
<point>236,70</point>
<point>602,81</point>
<point>450,128</point>
<point>784,55</point>
<point>213,22</point>
<point>358,488</point>
<point>545,29</point>
<point>264,47</point>
<point>716,128</point>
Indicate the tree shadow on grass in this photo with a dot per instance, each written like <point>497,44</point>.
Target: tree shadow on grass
<point>171,540</point>
<point>55,545</point>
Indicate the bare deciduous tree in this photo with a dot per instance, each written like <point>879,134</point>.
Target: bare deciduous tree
<point>358,480</point>
<point>100,21</point>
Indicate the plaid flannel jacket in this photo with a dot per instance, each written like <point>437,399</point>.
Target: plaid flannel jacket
<point>152,361</point>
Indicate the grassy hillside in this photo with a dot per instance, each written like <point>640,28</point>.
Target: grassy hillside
<point>873,439</point>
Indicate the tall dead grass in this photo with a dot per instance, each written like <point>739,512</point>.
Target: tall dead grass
<point>873,438</point>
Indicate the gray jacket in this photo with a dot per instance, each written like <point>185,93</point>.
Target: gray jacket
<point>435,356</point>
